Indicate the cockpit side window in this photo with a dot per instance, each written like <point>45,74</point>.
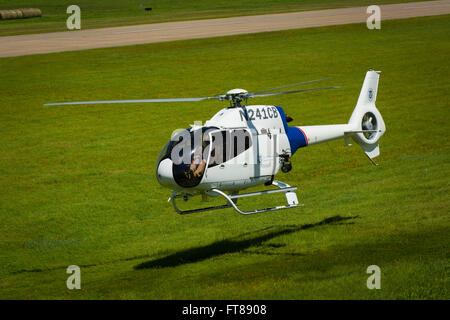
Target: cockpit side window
<point>228,144</point>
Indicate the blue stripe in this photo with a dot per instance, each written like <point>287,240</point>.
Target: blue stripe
<point>295,136</point>
<point>283,117</point>
<point>296,139</point>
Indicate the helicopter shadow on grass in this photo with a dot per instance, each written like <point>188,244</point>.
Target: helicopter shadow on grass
<point>221,247</point>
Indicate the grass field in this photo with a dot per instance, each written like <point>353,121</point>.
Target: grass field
<point>98,14</point>
<point>78,184</point>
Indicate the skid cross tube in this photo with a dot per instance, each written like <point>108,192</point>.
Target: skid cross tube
<point>289,191</point>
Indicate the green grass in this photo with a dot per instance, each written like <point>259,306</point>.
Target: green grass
<point>99,14</point>
<point>78,185</point>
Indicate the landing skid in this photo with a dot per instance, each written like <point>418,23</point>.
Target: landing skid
<point>231,199</point>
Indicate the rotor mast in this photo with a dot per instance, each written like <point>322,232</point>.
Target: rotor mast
<point>235,96</point>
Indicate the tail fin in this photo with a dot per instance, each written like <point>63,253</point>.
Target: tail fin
<point>366,123</point>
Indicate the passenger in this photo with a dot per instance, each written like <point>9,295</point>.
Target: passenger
<point>216,156</point>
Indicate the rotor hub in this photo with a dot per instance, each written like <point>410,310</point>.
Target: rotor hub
<point>235,96</point>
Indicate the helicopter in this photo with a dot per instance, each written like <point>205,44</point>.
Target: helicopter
<point>244,146</point>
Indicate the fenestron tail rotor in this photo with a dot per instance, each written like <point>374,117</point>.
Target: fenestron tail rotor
<point>235,96</point>
<point>369,123</point>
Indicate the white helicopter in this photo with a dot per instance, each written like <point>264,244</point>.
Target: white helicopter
<point>245,146</point>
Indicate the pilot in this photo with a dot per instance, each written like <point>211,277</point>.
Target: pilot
<point>198,164</point>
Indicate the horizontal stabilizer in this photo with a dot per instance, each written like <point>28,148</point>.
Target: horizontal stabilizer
<point>361,131</point>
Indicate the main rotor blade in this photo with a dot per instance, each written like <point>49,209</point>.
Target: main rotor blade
<point>286,92</point>
<point>290,85</point>
<point>130,101</point>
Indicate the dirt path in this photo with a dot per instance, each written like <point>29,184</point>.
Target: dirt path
<point>122,36</point>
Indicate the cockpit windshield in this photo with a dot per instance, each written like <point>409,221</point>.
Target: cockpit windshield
<point>188,151</point>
